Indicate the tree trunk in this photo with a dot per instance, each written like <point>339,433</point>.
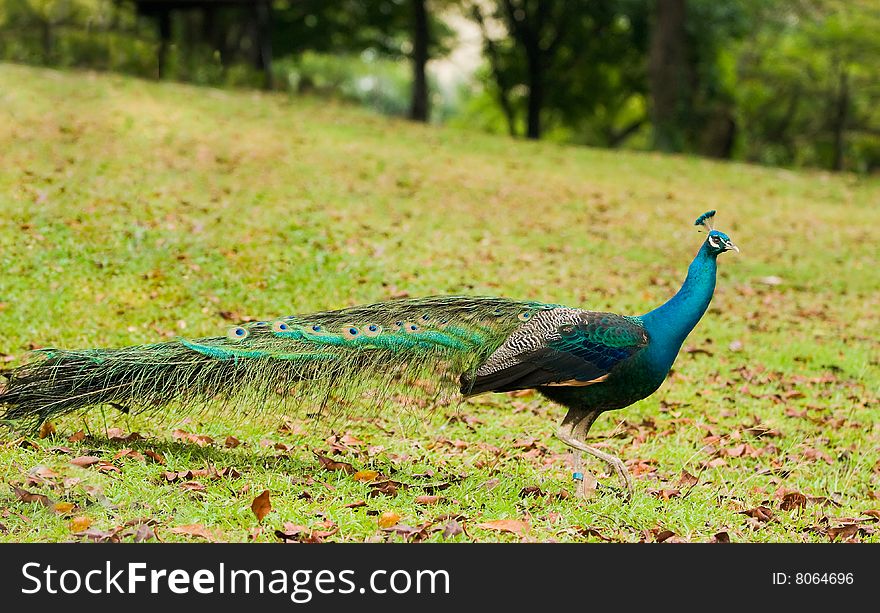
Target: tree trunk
<point>419,109</point>
<point>164,40</point>
<point>491,51</point>
<point>264,41</point>
<point>536,95</point>
<point>839,121</point>
<point>667,74</point>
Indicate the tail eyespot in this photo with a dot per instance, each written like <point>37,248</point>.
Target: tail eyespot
<point>280,326</point>
<point>237,333</point>
<point>316,328</point>
<point>372,330</point>
<point>350,332</point>
<point>524,316</point>
<point>409,327</point>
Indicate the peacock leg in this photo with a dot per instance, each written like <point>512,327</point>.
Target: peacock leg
<point>573,432</point>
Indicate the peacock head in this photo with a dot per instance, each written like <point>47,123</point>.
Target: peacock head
<point>716,241</point>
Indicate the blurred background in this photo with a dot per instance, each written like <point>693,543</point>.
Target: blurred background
<point>791,83</point>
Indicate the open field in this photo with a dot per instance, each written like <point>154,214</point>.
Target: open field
<point>134,212</point>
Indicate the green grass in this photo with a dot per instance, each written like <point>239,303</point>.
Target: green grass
<point>134,212</point>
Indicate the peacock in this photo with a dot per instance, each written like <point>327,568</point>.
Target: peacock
<point>431,348</point>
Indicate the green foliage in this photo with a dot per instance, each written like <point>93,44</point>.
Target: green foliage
<point>375,82</point>
<point>351,26</point>
<point>809,86</point>
<point>75,33</point>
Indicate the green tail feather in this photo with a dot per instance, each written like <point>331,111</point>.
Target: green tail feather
<point>331,359</point>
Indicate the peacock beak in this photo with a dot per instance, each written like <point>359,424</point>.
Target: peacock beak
<point>731,247</point>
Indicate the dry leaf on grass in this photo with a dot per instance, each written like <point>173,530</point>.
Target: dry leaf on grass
<point>47,429</point>
<point>85,461</point>
<point>330,464</point>
<point>720,537</point>
<point>793,500</point>
<point>452,528</point>
<point>388,519</point>
<point>761,513</point>
<point>80,524</point>
<point>26,496</point>
<point>430,499</point>
<point>514,526</point>
<point>687,480</point>
<point>195,530</point>
<point>155,456</point>
<point>365,475</point>
<point>261,505</point>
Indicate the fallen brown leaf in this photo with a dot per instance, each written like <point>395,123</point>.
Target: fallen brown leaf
<point>26,496</point>
<point>588,531</point>
<point>663,535</point>
<point>452,528</point>
<point>85,461</point>
<point>428,499</point>
<point>195,530</point>
<point>387,488</point>
<point>514,526</point>
<point>261,505</point>
<point>330,464</point>
<point>155,456</point>
<point>793,500</point>
<point>686,479</point>
<point>388,519</point>
<point>80,523</point>
<point>365,475</point>
<point>845,532</point>
<point>721,537</point>
<point>761,513</point>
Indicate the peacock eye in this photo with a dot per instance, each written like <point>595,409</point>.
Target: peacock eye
<point>713,242</point>
<point>237,333</point>
<point>373,330</point>
<point>280,326</point>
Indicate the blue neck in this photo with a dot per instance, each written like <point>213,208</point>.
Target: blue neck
<point>669,324</point>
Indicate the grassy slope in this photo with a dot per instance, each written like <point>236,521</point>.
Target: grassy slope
<point>133,211</point>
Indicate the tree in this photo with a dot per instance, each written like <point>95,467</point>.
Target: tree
<point>669,74</point>
<point>571,65</point>
<point>810,85</point>
<point>419,107</point>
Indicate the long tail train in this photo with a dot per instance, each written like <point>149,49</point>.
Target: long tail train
<point>326,358</point>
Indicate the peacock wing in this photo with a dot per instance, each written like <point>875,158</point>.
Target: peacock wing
<point>560,346</point>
